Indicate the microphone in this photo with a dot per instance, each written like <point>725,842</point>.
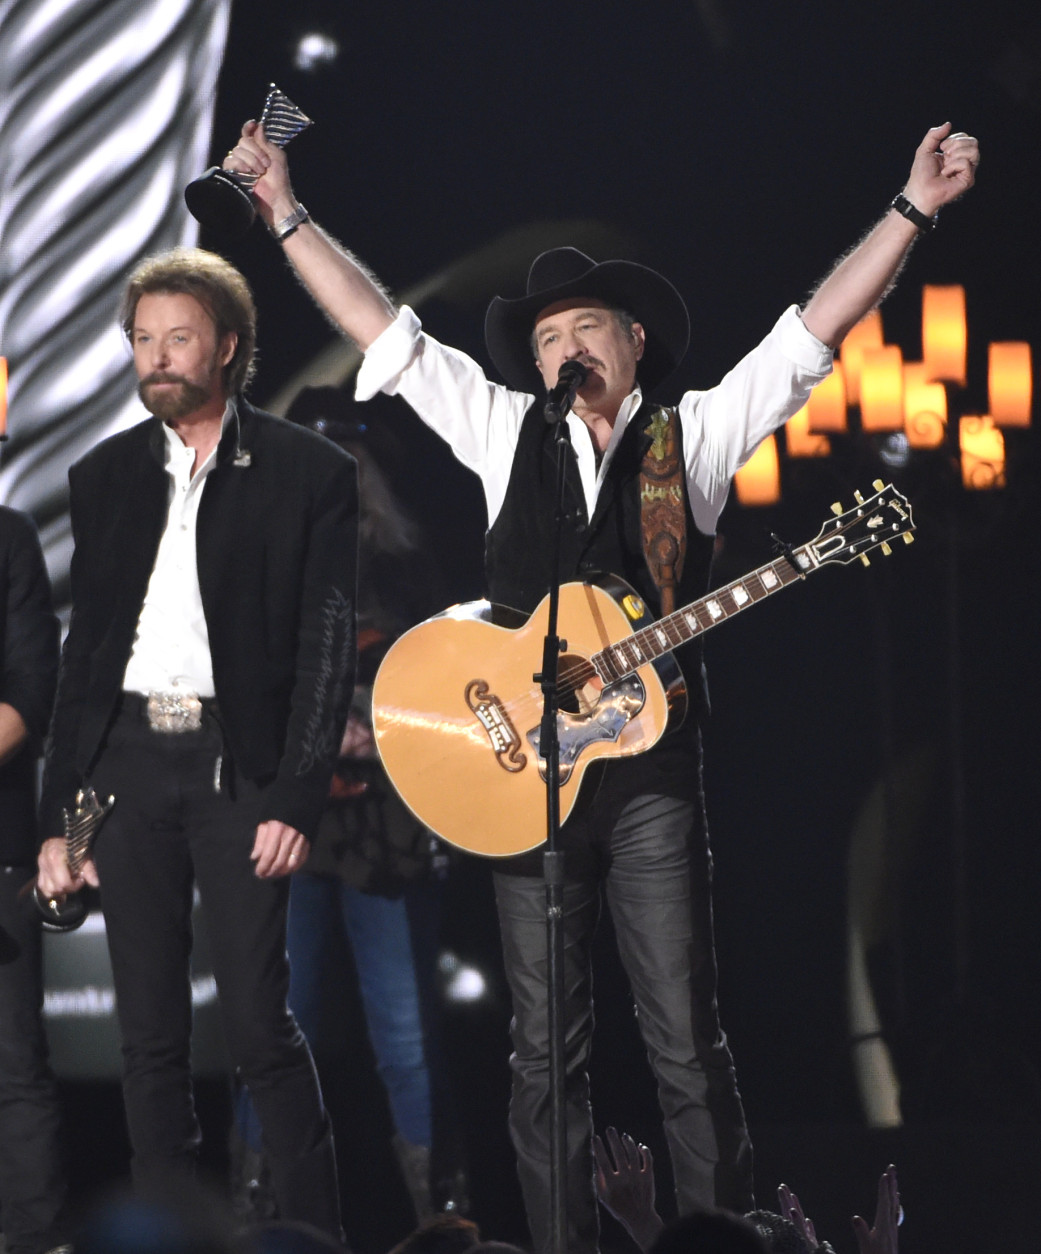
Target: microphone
<point>562,395</point>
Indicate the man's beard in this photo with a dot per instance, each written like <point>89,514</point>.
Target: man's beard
<point>170,404</point>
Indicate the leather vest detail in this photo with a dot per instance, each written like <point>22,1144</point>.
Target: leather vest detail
<point>519,542</point>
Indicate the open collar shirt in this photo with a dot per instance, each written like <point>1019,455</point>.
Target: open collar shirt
<point>171,651</point>
<point>481,420</point>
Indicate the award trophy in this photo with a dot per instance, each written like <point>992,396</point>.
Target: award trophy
<point>221,199</point>
<point>66,913</point>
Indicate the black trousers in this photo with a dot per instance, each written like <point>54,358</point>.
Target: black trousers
<point>180,820</point>
<point>32,1183</point>
<point>648,854</point>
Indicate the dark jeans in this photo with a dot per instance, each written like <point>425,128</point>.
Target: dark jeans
<point>649,854</point>
<point>382,947</point>
<point>32,1184</point>
<point>171,829</point>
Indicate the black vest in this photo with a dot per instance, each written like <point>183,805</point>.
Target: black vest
<point>518,545</point>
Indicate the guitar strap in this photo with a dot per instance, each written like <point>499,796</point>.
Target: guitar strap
<point>662,518</point>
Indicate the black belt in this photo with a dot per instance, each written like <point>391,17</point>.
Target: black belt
<point>169,713</point>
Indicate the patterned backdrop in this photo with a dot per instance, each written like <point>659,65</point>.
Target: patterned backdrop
<point>105,114</point>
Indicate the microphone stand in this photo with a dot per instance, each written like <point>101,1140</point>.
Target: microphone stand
<point>553,858</point>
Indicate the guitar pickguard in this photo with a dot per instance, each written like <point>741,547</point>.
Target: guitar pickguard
<point>619,704</point>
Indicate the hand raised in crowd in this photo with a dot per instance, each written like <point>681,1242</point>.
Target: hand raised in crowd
<point>791,1209</point>
<point>944,168</point>
<point>625,1185</point>
<point>882,1237</point>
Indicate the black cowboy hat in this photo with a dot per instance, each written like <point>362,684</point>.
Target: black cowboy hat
<point>562,273</point>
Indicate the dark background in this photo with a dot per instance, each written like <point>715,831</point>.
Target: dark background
<point>740,148</point>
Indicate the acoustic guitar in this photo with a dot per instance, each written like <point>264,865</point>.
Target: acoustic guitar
<point>456,710</point>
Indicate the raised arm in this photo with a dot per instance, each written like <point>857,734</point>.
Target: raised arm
<point>944,168</point>
<point>348,292</point>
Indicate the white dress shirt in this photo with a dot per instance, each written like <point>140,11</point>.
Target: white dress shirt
<point>172,646</point>
<point>481,420</point>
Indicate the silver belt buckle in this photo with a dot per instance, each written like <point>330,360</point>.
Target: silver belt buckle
<point>174,712</point>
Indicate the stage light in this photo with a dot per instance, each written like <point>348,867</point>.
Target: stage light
<point>867,334</point>
<point>945,333</point>
<point>904,406</point>
<point>758,482</point>
<point>882,389</point>
<point>827,403</point>
<point>315,50</point>
<point>925,407</point>
<point>982,452</point>
<point>1010,384</point>
<point>801,440</point>
<point>460,983</point>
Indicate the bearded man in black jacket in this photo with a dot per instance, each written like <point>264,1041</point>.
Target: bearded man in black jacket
<point>205,684</point>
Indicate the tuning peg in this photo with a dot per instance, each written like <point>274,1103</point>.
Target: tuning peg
<point>884,546</point>
<point>878,485</point>
<point>858,498</point>
<point>908,538</point>
<point>864,559</point>
<point>836,507</point>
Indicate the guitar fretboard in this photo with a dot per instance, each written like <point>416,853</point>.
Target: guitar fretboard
<point>870,524</point>
<point>666,634</point>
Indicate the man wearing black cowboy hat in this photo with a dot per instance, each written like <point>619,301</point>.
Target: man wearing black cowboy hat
<point>640,835</point>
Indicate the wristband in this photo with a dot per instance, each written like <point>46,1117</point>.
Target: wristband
<point>903,206</point>
<point>282,230</point>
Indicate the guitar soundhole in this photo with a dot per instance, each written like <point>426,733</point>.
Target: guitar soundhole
<point>583,698</point>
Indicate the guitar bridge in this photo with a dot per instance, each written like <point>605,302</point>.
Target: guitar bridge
<point>491,714</point>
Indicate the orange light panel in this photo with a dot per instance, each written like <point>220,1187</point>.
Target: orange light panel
<point>882,389</point>
<point>1010,383</point>
<point>758,482</point>
<point>866,334</point>
<point>982,453</point>
<point>827,403</point>
<point>944,333</point>
<point>925,408</point>
<point>800,440</point>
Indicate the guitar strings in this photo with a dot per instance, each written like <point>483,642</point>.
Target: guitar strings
<point>572,678</point>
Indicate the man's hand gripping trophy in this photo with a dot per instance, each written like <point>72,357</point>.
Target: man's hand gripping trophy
<point>66,866</point>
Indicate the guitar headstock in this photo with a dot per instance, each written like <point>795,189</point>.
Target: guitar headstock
<point>875,523</point>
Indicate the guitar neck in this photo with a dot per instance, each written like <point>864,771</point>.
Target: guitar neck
<point>666,634</point>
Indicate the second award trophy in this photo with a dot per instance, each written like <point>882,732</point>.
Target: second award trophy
<point>223,200</point>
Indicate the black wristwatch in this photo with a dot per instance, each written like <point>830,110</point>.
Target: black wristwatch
<point>903,206</point>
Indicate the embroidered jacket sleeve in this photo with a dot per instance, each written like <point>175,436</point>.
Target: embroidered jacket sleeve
<point>326,655</point>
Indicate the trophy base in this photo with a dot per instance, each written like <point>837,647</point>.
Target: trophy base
<point>217,201</point>
<point>60,914</point>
